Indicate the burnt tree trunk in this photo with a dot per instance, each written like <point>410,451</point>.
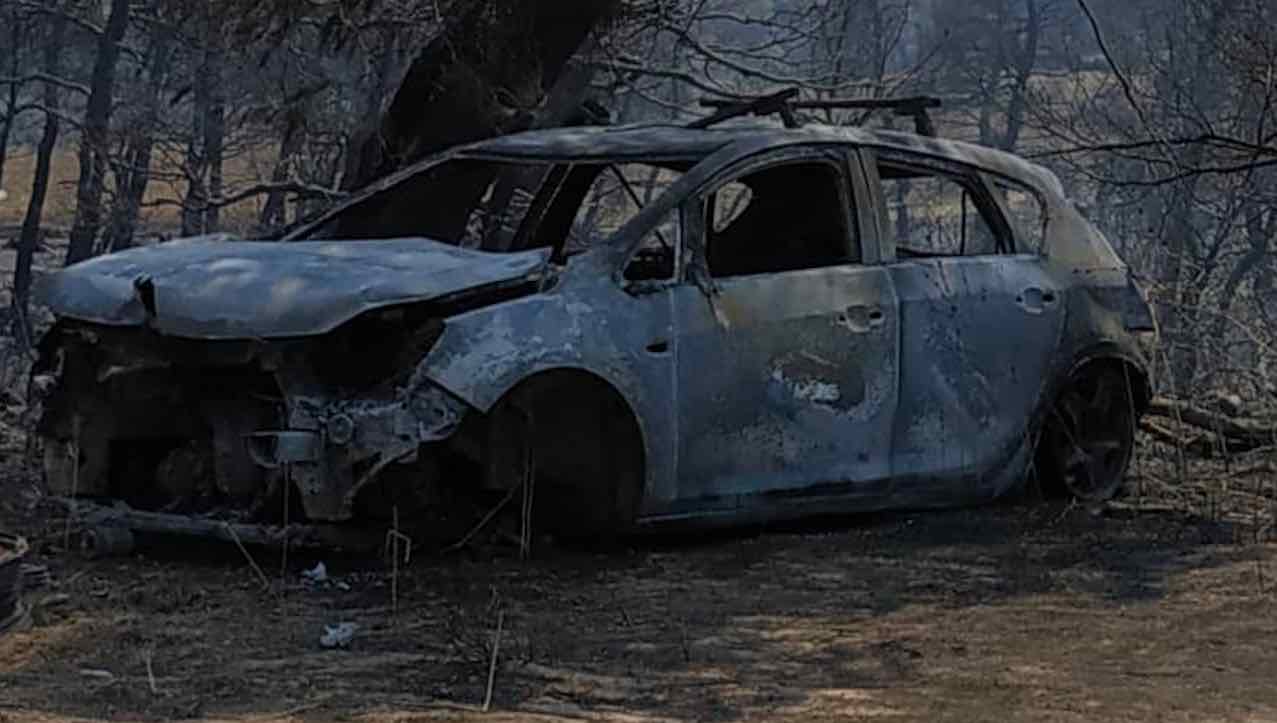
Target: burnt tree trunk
<point>274,211</point>
<point>29,239</point>
<point>94,148</point>
<point>215,130</point>
<point>195,201</point>
<point>12,51</point>
<point>1026,58</point>
<point>134,176</point>
<point>488,72</point>
<point>200,208</point>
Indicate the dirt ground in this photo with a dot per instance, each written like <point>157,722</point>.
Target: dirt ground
<point>1025,610</point>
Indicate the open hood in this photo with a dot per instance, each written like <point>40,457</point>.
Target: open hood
<point>212,288</point>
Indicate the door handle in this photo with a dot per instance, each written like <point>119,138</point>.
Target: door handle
<point>863,318</point>
<point>658,348</point>
<point>1035,299</point>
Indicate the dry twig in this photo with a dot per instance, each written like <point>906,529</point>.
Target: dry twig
<point>492,665</point>
<point>230,530</point>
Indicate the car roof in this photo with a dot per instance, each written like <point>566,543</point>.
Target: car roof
<point>663,141</point>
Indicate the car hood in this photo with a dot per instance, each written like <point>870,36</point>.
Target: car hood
<point>217,288</point>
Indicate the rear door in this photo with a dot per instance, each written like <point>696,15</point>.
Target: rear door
<point>787,369</point>
<point>980,319</point>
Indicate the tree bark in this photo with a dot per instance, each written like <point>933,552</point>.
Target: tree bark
<point>133,178</point>
<point>487,73</point>
<point>274,212</point>
<point>1026,60</point>
<point>195,201</point>
<point>13,56</point>
<point>94,146</point>
<point>215,127</point>
<point>29,238</point>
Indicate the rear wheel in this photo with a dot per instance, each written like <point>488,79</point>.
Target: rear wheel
<point>1089,435</point>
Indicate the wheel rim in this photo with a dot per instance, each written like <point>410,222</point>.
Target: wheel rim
<point>1092,435</point>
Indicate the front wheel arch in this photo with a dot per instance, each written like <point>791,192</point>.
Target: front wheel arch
<point>587,448</point>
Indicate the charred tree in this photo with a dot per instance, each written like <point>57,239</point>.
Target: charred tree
<point>29,238</point>
<point>94,146</point>
<point>195,201</point>
<point>134,175</point>
<point>294,134</point>
<point>200,208</point>
<point>215,130</point>
<point>12,56</point>
<point>488,72</point>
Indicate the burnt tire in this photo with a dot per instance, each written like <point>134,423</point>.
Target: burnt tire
<point>585,450</point>
<point>1088,437</point>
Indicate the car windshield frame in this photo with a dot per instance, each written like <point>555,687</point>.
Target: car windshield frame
<point>560,170</point>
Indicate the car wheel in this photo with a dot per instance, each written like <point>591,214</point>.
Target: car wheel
<point>1089,436</point>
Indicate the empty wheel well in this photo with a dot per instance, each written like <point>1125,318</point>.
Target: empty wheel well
<point>585,439</point>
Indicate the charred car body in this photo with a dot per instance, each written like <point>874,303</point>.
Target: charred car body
<point>658,323</point>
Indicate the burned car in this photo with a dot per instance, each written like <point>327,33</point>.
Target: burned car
<point>652,323</point>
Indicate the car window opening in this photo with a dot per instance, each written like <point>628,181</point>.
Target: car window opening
<point>504,206</point>
<point>935,214</point>
<point>640,204</point>
<point>1027,214</point>
<point>782,218</point>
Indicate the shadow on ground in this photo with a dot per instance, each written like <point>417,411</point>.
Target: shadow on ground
<point>834,618</point>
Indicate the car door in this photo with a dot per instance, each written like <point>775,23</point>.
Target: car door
<point>787,366</point>
<point>980,321</point>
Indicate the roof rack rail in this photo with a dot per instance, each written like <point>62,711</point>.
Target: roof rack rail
<point>774,103</point>
<point>785,103</point>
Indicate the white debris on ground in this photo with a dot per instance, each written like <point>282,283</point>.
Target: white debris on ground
<point>318,577</point>
<point>338,636</point>
<point>317,574</point>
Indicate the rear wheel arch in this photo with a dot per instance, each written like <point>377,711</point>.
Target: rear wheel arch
<point>1133,373</point>
<point>1075,425</point>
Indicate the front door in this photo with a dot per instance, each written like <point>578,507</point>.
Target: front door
<point>787,371</point>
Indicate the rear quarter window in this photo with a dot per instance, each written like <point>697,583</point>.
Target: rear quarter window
<point>1026,212</point>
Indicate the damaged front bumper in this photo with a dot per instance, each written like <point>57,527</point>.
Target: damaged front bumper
<point>333,449</point>
<point>181,425</point>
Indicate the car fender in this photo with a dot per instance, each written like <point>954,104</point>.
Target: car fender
<point>588,325</point>
<point>483,354</point>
